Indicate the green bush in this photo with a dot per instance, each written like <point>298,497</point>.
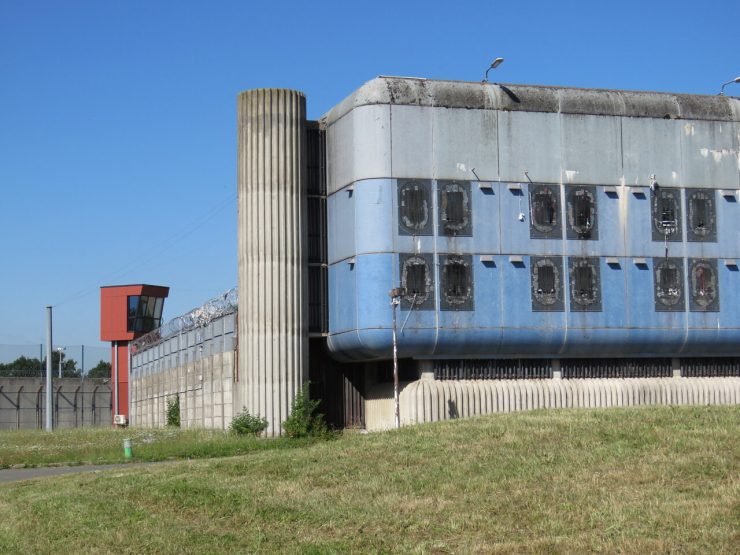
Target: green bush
<point>247,424</point>
<point>302,421</point>
<point>173,411</point>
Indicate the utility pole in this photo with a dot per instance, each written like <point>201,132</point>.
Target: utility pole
<point>49,423</point>
<point>396,295</point>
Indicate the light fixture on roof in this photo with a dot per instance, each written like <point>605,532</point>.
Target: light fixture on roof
<point>497,62</point>
<point>721,91</point>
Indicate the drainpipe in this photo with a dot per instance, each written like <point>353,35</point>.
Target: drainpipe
<point>115,378</point>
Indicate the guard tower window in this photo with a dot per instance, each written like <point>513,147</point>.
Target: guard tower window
<point>585,291</point>
<point>544,212</point>
<point>702,216</point>
<point>666,214</point>
<point>704,285</point>
<point>417,278</point>
<point>414,207</point>
<point>547,290</point>
<point>669,284</point>
<point>457,283</point>
<point>144,313</point>
<point>454,208</point>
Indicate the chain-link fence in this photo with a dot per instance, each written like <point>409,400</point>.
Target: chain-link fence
<point>29,360</point>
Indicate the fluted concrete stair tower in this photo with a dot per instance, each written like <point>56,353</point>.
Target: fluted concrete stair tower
<point>273,304</point>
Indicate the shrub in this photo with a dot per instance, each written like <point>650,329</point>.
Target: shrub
<point>247,424</point>
<point>302,421</point>
<point>173,411</point>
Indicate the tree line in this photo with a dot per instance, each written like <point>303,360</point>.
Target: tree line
<point>25,367</point>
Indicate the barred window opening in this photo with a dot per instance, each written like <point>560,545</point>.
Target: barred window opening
<point>455,212</point>
<point>416,276</point>
<point>418,281</point>
<point>669,282</point>
<point>544,208</point>
<point>455,215</point>
<point>456,278</point>
<point>701,214</point>
<point>546,280</point>
<point>704,285</point>
<point>414,208</point>
<point>547,284</point>
<point>456,275</point>
<point>666,214</point>
<point>585,287</point>
<point>584,277</point>
<point>584,218</point>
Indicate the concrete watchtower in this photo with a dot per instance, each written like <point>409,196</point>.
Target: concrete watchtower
<point>273,304</point>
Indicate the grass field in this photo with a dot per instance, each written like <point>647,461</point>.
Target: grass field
<point>663,480</point>
<point>28,448</point>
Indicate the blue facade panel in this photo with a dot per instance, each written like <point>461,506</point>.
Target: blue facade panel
<point>364,253</point>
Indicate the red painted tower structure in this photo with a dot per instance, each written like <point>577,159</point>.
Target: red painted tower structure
<point>126,313</point>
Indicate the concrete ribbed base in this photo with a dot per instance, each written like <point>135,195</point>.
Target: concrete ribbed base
<point>432,400</point>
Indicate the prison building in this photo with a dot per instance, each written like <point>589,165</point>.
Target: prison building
<point>556,247</point>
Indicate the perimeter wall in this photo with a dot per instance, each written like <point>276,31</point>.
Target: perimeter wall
<point>77,403</point>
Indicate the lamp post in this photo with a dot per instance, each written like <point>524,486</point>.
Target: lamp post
<point>494,64</point>
<point>722,90</point>
<point>396,295</point>
<point>60,350</point>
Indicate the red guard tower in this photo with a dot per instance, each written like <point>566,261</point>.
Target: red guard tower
<point>126,313</point>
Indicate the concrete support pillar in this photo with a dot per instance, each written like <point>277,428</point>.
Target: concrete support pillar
<point>426,369</point>
<point>557,373</point>
<point>676,365</point>
<point>273,268</point>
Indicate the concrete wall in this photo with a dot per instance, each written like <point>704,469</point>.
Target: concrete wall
<point>198,366</point>
<point>429,400</point>
<point>77,403</point>
<point>205,389</point>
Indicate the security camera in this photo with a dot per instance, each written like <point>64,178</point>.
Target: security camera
<point>521,216</point>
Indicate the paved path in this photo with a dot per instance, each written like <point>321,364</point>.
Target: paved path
<point>18,474</point>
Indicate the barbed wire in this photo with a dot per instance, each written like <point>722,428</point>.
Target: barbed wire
<point>224,304</point>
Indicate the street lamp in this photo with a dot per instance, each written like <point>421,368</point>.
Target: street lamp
<point>60,350</point>
<point>722,90</point>
<point>396,295</point>
<point>494,64</point>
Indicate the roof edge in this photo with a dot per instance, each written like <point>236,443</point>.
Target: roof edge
<point>416,91</point>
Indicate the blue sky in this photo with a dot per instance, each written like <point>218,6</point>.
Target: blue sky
<point>118,119</point>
